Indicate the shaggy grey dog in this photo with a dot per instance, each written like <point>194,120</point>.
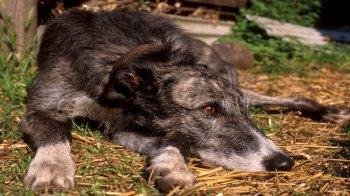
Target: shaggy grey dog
<point>154,89</point>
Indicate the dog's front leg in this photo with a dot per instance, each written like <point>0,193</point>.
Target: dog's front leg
<point>167,164</point>
<point>53,166</point>
<point>168,169</point>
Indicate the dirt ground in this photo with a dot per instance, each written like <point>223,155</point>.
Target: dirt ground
<point>321,151</point>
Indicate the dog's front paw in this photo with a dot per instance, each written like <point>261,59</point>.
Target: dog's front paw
<point>169,170</point>
<point>51,169</point>
<point>168,178</point>
<point>47,175</point>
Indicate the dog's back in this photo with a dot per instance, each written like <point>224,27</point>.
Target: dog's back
<point>108,33</point>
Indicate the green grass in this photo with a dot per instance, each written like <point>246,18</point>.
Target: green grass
<point>256,110</point>
<point>266,123</point>
<point>273,124</point>
<point>12,172</point>
<point>14,79</point>
<point>15,76</point>
<point>346,130</point>
<point>85,130</point>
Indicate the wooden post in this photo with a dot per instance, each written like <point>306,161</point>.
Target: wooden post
<point>20,17</point>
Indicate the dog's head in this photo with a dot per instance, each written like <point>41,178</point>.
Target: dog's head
<point>191,107</point>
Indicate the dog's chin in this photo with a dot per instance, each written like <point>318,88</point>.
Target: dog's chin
<point>243,166</point>
<point>250,168</point>
<point>233,162</point>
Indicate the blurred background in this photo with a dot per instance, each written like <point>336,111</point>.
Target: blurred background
<point>279,34</point>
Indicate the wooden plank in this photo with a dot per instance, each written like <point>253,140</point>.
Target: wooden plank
<point>306,35</point>
<point>205,30</point>
<point>225,3</point>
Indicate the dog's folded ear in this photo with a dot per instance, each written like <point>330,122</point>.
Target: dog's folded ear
<point>127,79</point>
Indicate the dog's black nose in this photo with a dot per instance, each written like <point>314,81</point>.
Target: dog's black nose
<point>279,162</point>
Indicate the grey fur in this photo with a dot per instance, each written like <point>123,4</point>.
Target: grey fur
<point>154,89</point>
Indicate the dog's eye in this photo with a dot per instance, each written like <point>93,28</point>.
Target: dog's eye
<point>210,110</point>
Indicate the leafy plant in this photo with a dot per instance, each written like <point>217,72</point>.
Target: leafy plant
<point>303,12</point>
<point>276,56</point>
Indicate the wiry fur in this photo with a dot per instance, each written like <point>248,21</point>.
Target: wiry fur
<point>154,89</point>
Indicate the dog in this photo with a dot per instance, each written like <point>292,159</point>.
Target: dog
<point>156,91</point>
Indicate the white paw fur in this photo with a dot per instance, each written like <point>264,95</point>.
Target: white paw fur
<point>52,168</point>
<point>169,170</point>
